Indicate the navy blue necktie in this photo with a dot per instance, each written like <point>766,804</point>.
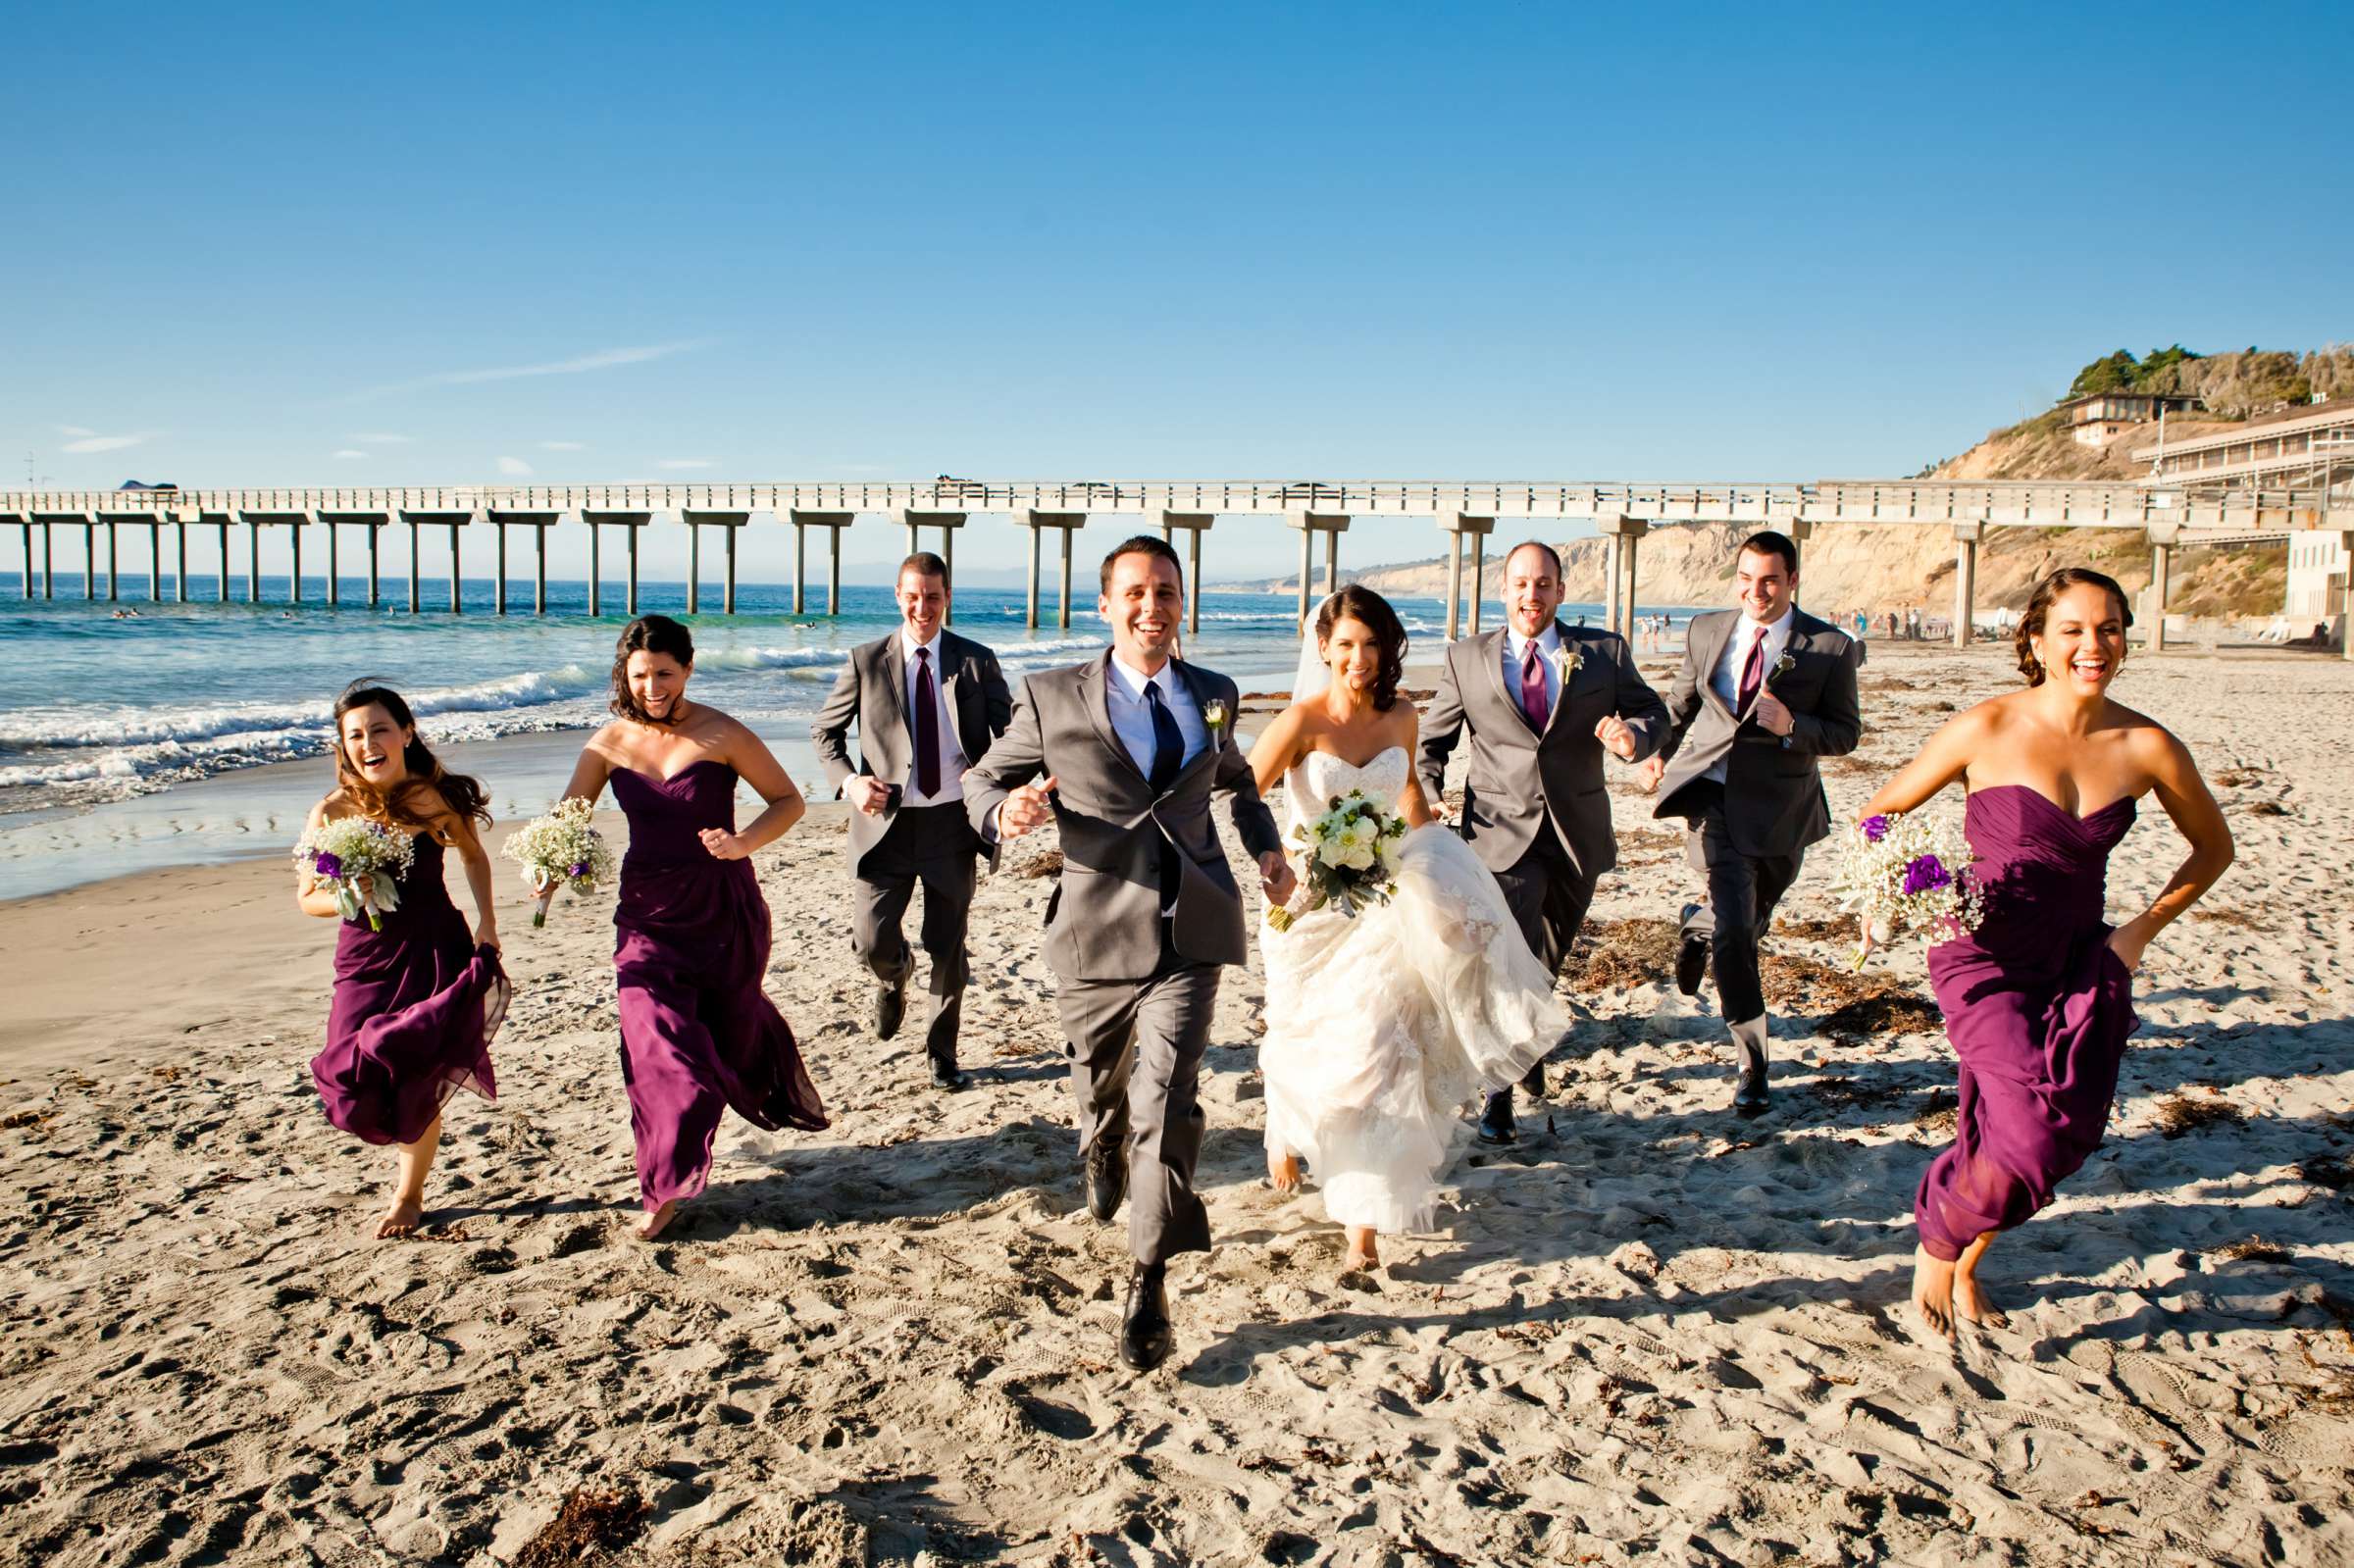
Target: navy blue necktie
<point>1169,741</point>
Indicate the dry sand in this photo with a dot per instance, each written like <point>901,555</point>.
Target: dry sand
<point>1650,1334</point>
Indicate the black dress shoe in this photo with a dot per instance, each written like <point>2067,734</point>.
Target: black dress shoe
<point>1496,1121</point>
<point>1749,1094</point>
<point>1145,1333</point>
<point>891,1006</point>
<point>1106,1177</point>
<point>947,1075</point>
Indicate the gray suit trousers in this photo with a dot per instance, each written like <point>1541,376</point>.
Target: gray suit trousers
<point>932,846</point>
<point>1135,1049</point>
<point>1743,890</point>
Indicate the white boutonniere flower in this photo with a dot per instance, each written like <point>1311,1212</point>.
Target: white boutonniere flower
<point>1214,715</point>
<point>1782,667</point>
<point>1566,662</point>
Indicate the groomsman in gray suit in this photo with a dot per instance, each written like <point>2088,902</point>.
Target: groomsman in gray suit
<point>925,700</point>
<point>1124,753</point>
<point>1542,703</point>
<point>1765,691</point>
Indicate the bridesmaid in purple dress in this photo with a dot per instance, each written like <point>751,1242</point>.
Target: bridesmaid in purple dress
<point>698,1036</point>
<point>2038,1001</point>
<point>416,1003</point>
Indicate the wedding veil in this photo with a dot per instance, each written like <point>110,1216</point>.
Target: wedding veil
<point>1313,675</point>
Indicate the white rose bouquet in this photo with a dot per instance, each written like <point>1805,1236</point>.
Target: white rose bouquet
<point>561,849</point>
<point>1905,874</point>
<point>1352,853</point>
<point>362,860</point>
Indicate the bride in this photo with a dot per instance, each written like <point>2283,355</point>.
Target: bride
<point>1380,1026</point>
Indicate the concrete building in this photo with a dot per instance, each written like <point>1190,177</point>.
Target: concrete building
<point>2309,447</point>
<point>2100,417</point>
<point>2317,578</point>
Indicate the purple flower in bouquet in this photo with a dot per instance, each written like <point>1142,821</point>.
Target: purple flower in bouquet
<point>328,866</point>
<point>1874,829</point>
<point>579,868</point>
<point>1924,873</point>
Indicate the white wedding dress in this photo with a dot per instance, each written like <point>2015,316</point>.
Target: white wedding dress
<point>1381,1026</point>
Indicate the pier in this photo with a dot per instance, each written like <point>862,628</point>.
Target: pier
<point>2170,515</point>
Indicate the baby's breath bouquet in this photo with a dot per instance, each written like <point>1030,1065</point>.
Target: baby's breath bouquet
<point>1905,874</point>
<point>561,849</point>
<point>1351,855</point>
<point>362,860</point>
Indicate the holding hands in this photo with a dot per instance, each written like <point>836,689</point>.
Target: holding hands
<point>1276,878</point>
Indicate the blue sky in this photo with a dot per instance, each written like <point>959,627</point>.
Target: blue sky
<point>435,244</point>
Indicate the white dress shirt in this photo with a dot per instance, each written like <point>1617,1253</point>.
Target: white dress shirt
<point>952,755</point>
<point>1725,678</point>
<point>1131,715</point>
<point>1515,648</point>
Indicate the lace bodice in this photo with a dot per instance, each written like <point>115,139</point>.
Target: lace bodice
<point>1320,778</point>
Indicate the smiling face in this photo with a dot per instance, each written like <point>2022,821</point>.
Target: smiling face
<point>1765,582</point>
<point>1532,589</point>
<point>2084,639</point>
<point>1353,654</point>
<point>923,604</point>
<point>656,683</point>
<point>1144,604</point>
<point>375,747</point>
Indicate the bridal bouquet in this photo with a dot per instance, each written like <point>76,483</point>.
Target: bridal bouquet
<point>561,849</point>
<point>1905,874</point>
<point>362,860</point>
<point>1351,856</point>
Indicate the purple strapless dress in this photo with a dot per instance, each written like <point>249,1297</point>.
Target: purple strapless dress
<point>2038,1009</point>
<point>696,1033</point>
<point>415,1008</point>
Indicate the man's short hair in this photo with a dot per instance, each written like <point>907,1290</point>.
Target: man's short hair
<point>1144,544</point>
<point>925,564</point>
<point>1768,542</point>
<point>1551,554</point>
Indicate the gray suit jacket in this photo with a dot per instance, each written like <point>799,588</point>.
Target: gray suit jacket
<point>1104,922</point>
<point>1521,782</point>
<point>1773,802</point>
<point>872,693</point>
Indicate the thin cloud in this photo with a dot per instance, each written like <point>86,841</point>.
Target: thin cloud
<point>563,446</point>
<point>684,462</point>
<point>603,359</point>
<point>514,467</point>
<point>382,439</point>
<point>351,452</point>
<point>75,429</point>
<point>106,444</point>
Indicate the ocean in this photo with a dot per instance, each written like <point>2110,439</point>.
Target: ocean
<point>194,732</point>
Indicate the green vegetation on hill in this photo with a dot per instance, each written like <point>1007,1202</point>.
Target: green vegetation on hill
<point>2120,371</point>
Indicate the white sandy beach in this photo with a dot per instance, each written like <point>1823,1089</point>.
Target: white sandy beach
<point>1649,1334</point>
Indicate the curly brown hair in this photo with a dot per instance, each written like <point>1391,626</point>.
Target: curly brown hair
<point>650,633</point>
<point>1362,604</point>
<point>2039,608</point>
<point>399,807</point>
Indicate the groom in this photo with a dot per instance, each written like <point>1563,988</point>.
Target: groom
<point>1542,702</point>
<point>1765,691</point>
<point>1123,754</point>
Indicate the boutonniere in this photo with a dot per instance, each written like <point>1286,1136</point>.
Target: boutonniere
<point>1782,667</point>
<point>1214,715</point>
<point>1566,662</point>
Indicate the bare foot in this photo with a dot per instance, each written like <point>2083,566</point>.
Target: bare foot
<point>658,1221</point>
<point>401,1219</point>
<point>1283,1171</point>
<point>1934,1290</point>
<point>1365,1252</point>
<point>1969,1301</point>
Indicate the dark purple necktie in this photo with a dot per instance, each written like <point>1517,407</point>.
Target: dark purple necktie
<point>927,727</point>
<point>1533,705</point>
<point>1753,674</point>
